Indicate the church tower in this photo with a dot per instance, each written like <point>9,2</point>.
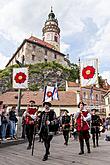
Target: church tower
<point>51,31</point>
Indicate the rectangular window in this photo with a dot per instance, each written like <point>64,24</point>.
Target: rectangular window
<point>96,97</point>
<point>45,51</point>
<point>55,56</point>
<point>34,47</point>
<point>33,57</point>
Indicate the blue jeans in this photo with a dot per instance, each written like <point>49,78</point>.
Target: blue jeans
<point>3,130</point>
<point>12,128</point>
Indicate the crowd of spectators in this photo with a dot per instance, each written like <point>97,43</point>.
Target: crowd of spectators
<point>8,122</point>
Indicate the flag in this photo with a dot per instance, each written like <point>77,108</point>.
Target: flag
<point>50,93</point>
<point>91,92</point>
<point>55,93</point>
<point>20,78</point>
<point>89,72</point>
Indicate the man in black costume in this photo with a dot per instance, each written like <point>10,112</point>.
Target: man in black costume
<point>66,126</point>
<point>95,125</point>
<point>47,127</point>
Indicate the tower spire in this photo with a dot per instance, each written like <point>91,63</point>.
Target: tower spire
<point>51,9</point>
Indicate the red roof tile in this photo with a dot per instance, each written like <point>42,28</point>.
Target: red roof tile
<point>73,84</point>
<point>39,41</point>
<point>66,98</point>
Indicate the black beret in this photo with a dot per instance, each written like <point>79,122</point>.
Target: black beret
<point>47,103</point>
<point>66,110</point>
<point>94,110</point>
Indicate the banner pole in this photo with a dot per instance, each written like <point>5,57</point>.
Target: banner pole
<point>81,98</point>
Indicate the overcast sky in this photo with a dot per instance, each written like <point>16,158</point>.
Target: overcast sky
<point>84,24</point>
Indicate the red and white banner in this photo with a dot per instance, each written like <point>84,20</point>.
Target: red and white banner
<point>50,93</point>
<point>89,72</point>
<point>20,78</point>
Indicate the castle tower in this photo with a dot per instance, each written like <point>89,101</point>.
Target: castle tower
<point>51,31</point>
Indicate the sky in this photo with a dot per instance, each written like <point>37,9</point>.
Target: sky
<point>84,25</point>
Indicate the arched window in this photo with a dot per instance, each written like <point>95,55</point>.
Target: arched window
<point>96,97</point>
<point>55,56</point>
<point>84,95</point>
<point>55,38</point>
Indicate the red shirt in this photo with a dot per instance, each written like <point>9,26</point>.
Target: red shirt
<point>29,120</point>
<point>81,124</point>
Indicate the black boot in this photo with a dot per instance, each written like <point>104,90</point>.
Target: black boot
<point>29,147</point>
<point>97,140</point>
<point>45,157</point>
<point>93,141</point>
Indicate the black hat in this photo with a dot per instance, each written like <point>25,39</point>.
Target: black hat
<point>66,111</point>
<point>32,101</point>
<point>81,103</point>
<point>47,103</point>
<point>94,110</point>
<point>39,111</point>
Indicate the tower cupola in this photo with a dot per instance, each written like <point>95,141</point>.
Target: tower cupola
<point>51,31</point>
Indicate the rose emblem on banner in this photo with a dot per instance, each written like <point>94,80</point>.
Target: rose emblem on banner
<point>49,94</point>
<point>20,77</point>
<point>88,72</point>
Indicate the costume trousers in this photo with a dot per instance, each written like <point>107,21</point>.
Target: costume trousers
<point>84,135</point>
<point>95,138</point>
<point>47,143</point>
<point>66,135</point>
<point>29,133</point>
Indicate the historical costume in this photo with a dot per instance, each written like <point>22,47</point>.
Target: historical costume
<point>95,125</point>
<point>30,116</point>
<point>82,118</point>
<point>66,126</point>
<point>47,127</point>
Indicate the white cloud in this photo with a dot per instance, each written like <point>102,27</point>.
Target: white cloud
<point>21,18</point>
<point>3,61</point>
<point>64,47</point>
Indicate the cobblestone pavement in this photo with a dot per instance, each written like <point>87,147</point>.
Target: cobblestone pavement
<point>60,154</point>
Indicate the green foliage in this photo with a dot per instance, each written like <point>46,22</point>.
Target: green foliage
<point>41,74</point>
<point>74,73</point>
<point>101,81</point>
<point>33,87</point>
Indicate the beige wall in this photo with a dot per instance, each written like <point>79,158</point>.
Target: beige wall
<point>30,49</point>
<point>107,104</point>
